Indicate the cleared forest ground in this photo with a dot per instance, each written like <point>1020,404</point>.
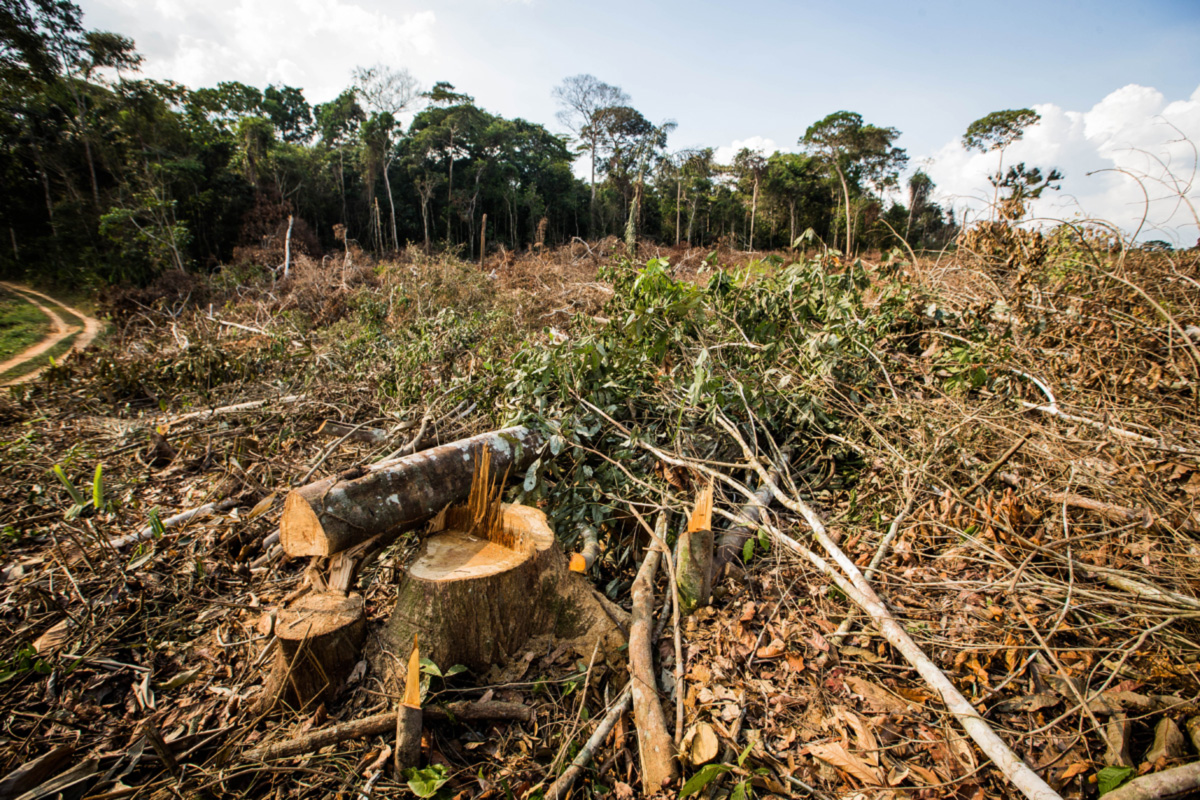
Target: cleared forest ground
<point>1012,446</point>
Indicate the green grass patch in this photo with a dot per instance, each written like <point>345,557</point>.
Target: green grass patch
<point>22,324</point>
<point>43,360</point>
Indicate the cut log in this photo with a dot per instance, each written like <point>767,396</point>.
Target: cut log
<point>694,556</point>
<point>336,513</point>
<point>320,636</point>
<point>476,602</point>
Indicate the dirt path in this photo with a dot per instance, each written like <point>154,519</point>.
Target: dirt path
<point>59,330</point>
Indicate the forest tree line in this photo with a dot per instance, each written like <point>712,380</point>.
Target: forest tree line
<point>111,176</point>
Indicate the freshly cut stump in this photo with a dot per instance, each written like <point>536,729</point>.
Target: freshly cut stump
<point>320,637</point>
<point>477,603</point>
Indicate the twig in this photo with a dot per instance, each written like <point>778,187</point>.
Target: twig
<point>1000,462</point>
<point>560,787</point>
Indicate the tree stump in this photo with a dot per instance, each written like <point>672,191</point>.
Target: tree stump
<point>477,603</point>
<point>320,636</point>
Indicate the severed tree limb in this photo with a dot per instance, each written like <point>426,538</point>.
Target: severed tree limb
<point>1170,783</point>
<point>583,560</point>
<point>655,749</point>
<point>122,542</point>
<point>250,406</point>
<point>880,555</point>
<point>562,786</point>
<point>386,723</point>
<point>857,588</point>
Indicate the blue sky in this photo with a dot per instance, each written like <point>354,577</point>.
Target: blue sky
<point>753,72</point>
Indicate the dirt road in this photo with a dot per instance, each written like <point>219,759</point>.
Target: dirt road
<point>59,330</point>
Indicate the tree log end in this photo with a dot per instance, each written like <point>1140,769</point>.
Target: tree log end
<point>300,531</point>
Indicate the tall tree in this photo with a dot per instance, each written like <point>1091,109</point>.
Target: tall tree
<point>390,91</point>
<point>581,98</point>
<point>853,150</point>
<point>997,131</point>
<point>750,167</point>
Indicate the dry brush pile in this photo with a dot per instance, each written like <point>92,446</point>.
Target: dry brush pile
<point>1004,452</point>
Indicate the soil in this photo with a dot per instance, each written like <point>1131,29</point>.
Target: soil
<point>59,330</point>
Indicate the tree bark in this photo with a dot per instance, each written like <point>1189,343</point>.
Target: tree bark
<point>328,516</point>
<point>694,569</point>
<point>734,539</point>
<point>655,750</point>
<point>1172,783</point>
<point>409,721</point>
<point>319,640</point>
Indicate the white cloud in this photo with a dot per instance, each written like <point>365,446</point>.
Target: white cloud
<point>726,152</point>
<point>313,44</point>
<point>1133,129</point>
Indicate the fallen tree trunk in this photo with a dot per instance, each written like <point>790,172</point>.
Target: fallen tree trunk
<point>336,513</point>
<point>386,723</point>
<point>655,750</point>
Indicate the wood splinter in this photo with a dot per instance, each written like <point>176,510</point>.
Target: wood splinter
<point>409,719</point>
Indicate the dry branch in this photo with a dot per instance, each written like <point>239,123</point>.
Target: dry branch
<point>122,542</point>
<point>562,786</point>
<point>655,750</point>
<point>386,723</point>
<point>1171,783</point>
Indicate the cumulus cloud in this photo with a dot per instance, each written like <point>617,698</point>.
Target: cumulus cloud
<point>313,44</point>
<point>1132,132</point>
<point>726,152</point>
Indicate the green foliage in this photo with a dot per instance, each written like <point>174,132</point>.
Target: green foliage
<point>1111,778</point>
<point>24,661</point>
<point>999,129</point>
<point>764,343</point>
<point>426,782</point>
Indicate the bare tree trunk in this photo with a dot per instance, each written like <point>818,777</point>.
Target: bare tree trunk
<point>678,209</point>
<point>846,197</point>
<point>753,213</point>
<point>387,184</point>
<point>631,225</point>
<point>482,239</point>
<point>792,224</point>
<point>287,248</point>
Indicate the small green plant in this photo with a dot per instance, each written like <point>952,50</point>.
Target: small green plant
<point>710,772</point>
<point>23,661</point>
<point>426,782</point>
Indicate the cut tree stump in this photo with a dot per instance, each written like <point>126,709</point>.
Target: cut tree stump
<point>477,603</point>
<point>320,636</point>
<point>336,513</point>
